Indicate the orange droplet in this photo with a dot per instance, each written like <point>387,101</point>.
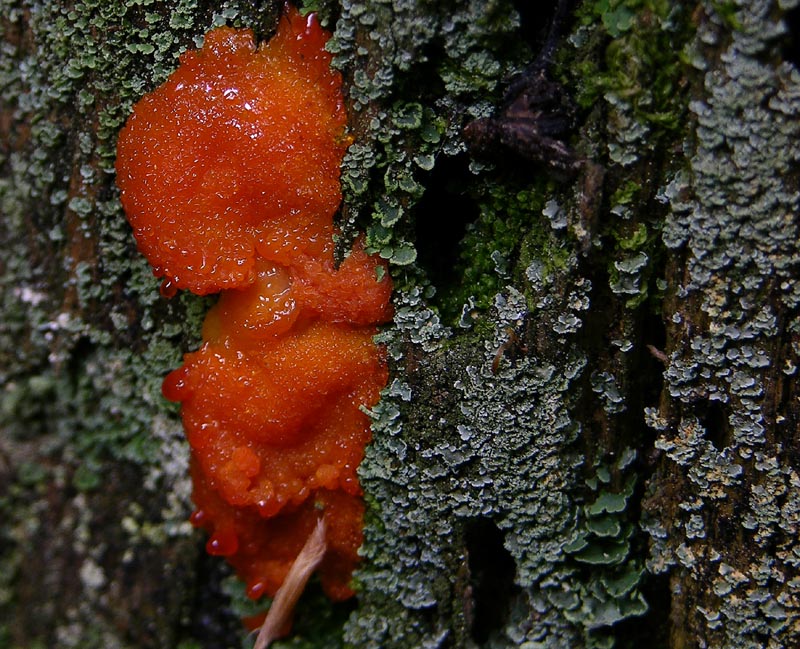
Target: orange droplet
<point>174,386</point>
<point>223,543</point>
<point>256,589</point>
<point>168,289</point>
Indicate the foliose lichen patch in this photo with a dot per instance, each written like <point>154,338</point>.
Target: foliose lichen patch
<point>485,432</point>
<point>733,214</point>
<point>496,447</point>
<point>456,470</point>
<point>81,381</point>
<point>446,63</point>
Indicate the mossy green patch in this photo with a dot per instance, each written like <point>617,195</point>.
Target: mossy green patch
<point>643,70</point>
<point>510,225</point>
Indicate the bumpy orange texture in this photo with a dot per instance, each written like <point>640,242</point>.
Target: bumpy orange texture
<point>229,175</point>
<point>239,147</point>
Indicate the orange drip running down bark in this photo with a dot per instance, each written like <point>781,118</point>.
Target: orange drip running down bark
<point>229,176</point>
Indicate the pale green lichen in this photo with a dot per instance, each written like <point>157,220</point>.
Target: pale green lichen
<point>456,470</point>
<point>81,384</point>
<point>733,212</point>
<point>486,435</point>
<point>497,450</point>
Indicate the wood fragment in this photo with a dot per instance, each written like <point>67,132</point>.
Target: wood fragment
<point>658,354</point>
<point>285,599</point>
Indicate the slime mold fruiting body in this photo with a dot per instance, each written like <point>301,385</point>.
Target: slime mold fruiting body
<point>229,176</point>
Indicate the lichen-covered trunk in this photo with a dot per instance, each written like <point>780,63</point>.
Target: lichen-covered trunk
<point>590,437</point>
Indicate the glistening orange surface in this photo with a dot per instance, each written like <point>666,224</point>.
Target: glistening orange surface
<point>229,175</point>
<point>239,148</point>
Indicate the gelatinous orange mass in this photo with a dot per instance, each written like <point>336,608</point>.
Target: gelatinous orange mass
<point>229,175</point>
<point>287,407</point>
<point>239,146</point>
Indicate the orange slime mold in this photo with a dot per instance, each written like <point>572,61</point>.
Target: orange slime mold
<point>229,176</point>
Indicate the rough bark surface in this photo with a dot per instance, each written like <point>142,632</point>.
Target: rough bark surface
<point>590,437</point>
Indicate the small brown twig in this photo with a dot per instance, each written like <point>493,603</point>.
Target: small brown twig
<point>285,599</point>
<point>658,354</point>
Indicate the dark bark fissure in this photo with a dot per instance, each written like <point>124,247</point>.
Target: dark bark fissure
<point>443,213</point>
<point>791,42</point>
<point>492,571</point>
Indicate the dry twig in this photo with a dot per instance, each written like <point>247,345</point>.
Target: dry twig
<point>288,594</point>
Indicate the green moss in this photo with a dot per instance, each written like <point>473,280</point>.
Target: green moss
<point>510,225</point>
<point>641,78</point>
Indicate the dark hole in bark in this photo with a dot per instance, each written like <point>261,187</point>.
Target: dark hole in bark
<point>651,629</point>
<point>80,353</point>
<point>443,213</point>
<point>535,19</point>
<point>492,571</point>
<point>791,44</point>
<point>654,334</point>
<point>714,420</point>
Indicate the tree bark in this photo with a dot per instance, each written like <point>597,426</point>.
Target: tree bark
<point>590,436</point>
